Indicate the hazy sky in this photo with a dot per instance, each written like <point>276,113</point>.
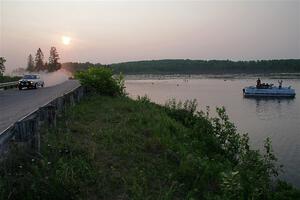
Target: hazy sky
<point>116,31</point>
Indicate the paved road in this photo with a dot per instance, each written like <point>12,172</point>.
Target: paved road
<point>15,104</point>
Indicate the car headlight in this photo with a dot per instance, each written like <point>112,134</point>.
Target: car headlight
<point>31,82</point>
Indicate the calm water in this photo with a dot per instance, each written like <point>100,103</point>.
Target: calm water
<point>278,119</point>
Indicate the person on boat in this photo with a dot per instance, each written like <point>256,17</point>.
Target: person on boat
<point>280,84</point>
<point>258,83</point>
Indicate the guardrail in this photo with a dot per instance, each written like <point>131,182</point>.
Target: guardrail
<point>26,131</point>
<point>8,85</point>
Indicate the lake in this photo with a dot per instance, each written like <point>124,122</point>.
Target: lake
<point>278,119</point>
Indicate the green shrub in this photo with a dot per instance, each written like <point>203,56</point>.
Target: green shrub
<point>235,170</point>
<point>143,99</point>
<point>102,81</point>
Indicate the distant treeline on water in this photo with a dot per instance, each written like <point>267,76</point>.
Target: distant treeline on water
<point>181,66</point>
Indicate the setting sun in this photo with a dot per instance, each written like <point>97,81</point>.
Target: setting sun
<point>66,40</point>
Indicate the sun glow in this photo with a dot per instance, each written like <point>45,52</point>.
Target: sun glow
<point>65,40</point>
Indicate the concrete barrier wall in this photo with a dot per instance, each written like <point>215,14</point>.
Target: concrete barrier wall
<point>26,132</point>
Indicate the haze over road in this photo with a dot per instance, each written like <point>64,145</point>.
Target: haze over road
<point>15,104</point>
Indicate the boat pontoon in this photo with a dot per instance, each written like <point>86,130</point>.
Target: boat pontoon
<point>268,90</point>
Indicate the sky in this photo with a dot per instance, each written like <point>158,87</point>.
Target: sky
<point>118,31</point>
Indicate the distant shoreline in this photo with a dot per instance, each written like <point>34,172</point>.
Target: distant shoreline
<point>213,76</point>
<point>186,67</point>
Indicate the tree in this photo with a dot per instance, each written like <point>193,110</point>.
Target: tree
<point>46,66</point>
<point>2,67</point>
<point>39,60</point>
<point>30,64</point>
<point>53,64</point>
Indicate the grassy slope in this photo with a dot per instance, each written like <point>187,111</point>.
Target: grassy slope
<point>116,148</point>
<point>111,148</point>
<point>118,141</point>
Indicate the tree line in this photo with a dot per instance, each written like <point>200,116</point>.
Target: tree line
<point>208,66</point>
<point>195,66</point>
<point>77,66</point>
<point>37,64</point>
<point>179,66</point>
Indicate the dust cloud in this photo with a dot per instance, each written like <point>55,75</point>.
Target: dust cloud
<point>54,78</point>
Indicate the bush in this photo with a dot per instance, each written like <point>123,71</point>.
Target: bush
<point>235,170</point>
<point>102,81</point>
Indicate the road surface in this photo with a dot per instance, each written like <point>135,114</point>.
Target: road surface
<point>15,104</point>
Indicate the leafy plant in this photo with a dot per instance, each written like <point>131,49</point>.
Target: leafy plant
<point>143,99</point>
<point>102,81</point>
<point>244,173</point>
<point>188,105</point>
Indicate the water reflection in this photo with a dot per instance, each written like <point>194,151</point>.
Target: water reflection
<point>271,108</point>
